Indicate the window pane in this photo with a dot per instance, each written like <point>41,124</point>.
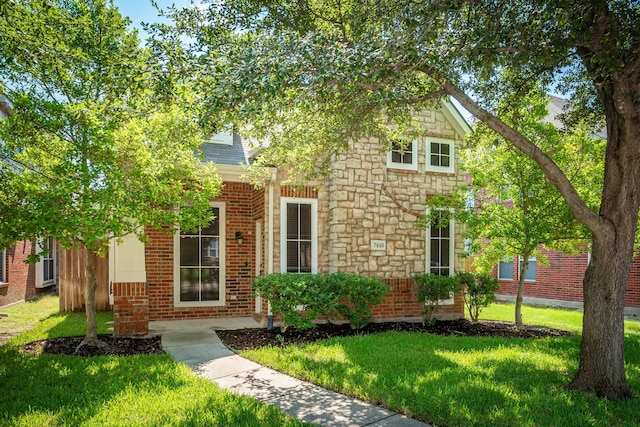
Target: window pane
<point>396,157</point>
<point>189,284</point>
<point>305,257</point>
<point>211,251</point>
<point>444,149</point>
<point>435,160</point>
<point>444,161</point>
<point>292,257</point>
<point>531,270</point>
<point>505,270</point>
<point>189,251</point>
<point>210,284</point>
<point>305,222</point>
<point>444,253</point>
<point>292,221</point>
<point>213,229</point>
<point>435,253</point>
<point>408,158</point>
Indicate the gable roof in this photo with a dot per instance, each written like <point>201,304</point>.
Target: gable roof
<point>233,155</point>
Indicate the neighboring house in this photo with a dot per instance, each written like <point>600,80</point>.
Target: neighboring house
<point>20,281</point>
<point>360,220</point>
<point>560,282</point>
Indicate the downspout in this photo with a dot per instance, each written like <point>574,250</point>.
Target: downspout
<point>270,245</point>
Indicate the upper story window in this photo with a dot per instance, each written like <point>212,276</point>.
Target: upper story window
<point>440,155</point>
<point>224,137</point>
<point>403,156</point>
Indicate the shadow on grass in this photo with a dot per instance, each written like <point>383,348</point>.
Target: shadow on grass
<point>461,381</point>
<point>110,390</point>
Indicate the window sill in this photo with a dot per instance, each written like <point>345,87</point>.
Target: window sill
<point>4,285</point>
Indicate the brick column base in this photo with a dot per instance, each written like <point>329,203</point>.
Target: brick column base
<point>130,309</point>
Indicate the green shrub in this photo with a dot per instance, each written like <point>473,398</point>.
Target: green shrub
<point>358,294</point>
<point>479,291</point>
<point>301,298</point>
<point>430,290</point>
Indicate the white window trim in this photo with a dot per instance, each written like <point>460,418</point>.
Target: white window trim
<point>452,251</point>
<point>520,269</point>
<point>452,164</point>
<point>222,218</point>
<point>505,278</point>
<point>3,266</point>
<point>225,137</point>
<point>283,231</point>
<point>413,166</point>
<point>39,276</point>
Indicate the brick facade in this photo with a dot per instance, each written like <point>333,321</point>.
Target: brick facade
<point>130,309</point>
<point>561,281</point>
<point>21,277</point>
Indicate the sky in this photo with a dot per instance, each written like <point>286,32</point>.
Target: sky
<point>142,10</point>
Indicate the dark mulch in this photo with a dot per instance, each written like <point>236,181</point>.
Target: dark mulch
<point>115,346</point>
<point>244,339</point>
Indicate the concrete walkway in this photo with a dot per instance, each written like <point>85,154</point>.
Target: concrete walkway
<point>195,343</point>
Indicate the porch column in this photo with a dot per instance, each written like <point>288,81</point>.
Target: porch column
<point>129,290</point>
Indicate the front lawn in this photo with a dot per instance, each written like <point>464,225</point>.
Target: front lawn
<point>153,390</point>
<point>464,381</point>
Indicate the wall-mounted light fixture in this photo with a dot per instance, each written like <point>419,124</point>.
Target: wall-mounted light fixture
<point>239,237</point>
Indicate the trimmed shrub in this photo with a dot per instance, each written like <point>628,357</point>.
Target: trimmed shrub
<point>301,298</point>
<point>430,290</point>
<point>479,291</point>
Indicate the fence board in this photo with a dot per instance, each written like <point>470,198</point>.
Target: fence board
<point>73,277</point>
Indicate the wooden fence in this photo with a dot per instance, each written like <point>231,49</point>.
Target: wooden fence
<point>73,277</point>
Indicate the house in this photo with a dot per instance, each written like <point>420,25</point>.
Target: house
<point>20,281</point>
<point>559,283</point>
<point>360,220</point>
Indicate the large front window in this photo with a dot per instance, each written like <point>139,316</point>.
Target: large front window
<point>299,235</point>
<point>200,263</point>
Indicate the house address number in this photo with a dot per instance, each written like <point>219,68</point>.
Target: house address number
<point>378,245</point>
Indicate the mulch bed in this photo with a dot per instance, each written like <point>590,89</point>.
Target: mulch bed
<point>244,339</point>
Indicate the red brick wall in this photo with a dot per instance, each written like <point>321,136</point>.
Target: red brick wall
<point>239,201</point>
<point>562,279</point>
<point>401,302</point>
<point>21,277</point>
<point>130,309</point>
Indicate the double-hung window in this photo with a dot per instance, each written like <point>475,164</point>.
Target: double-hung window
<point>299,235</point>
<point>530,276</point>
<point>440,246</point>
<point>199,259</point>
<point>505,270</point>
<point>403,156</point>
<point>440,155</point>
<point>46,266</point>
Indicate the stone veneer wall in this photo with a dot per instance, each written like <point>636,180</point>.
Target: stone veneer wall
<point>368,201</point>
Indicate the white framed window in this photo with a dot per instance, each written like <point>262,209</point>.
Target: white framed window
<point>46,267</point>
<point>298,235</point>
<point>440,155</point>
<point>224,137</point>
<point>440,247</point>
<point>531,269</point>
<point>3,266</point>
<point>505,270</point>
<point>199,263</point>
<point>403,158</point>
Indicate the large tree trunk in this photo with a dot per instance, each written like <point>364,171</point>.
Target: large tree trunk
<point>601,367</point>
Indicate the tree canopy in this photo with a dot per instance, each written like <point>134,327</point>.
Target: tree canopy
<point>312,76</point>
<point>90,151</point>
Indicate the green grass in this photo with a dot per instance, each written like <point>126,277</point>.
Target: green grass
<point>151,390</point>
<point>466,381</point>
<point>29,313</point>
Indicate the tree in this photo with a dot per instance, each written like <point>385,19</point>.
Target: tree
<point>312,76</point>
<point>89,153</point>
<point>516,210</point>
